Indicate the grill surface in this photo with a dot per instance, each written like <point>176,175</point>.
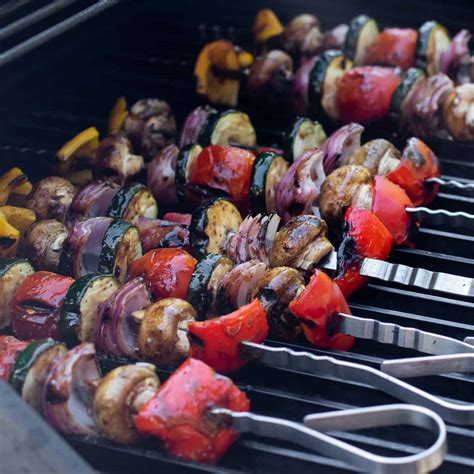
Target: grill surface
<point>146,49</point>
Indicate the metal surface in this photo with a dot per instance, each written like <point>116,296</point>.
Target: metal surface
<point>329,367</point>
<point>314,439</point>
<point>400,336</point>
<point>442,217</point>
<point>452,183</point>
<point>29,445</point>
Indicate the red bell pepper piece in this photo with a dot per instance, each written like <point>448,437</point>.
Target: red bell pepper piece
<point>418,164</point>
<point>317,308</point>
<point>36,305</point>
<point>364,93</point>
<point>394,47</point>
<point>216,341</point>
<point>167,271</point>
<point>179,218</point>
<point>9,348</point>
<point>225,168</point>
<point>389,204</point>
<point>364,235</point>
<point>178,413</point>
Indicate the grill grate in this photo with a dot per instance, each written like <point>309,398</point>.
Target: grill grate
<point>70,83</point>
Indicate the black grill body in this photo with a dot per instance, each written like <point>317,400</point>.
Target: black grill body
<point>146,49</point>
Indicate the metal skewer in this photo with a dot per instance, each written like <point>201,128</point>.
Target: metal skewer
<point>451,183</point>
<point>386,415</point>
<point>409,276</point>
<point>441,217</point>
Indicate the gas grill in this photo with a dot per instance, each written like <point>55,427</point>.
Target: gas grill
<point>64,63</point>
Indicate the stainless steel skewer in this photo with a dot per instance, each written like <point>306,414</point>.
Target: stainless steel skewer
<point>386,415</point>
<point>409,276</point>
<point>442,217</point>
<point>331,368</point>
<point>451,183</point>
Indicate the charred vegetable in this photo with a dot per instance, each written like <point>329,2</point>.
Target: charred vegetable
<point>377,156</point>
<point>301,136</point>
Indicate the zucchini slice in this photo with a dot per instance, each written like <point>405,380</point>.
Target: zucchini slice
<point>184,166</point>
<point>211,224</point>
<point>268,170</point>
<point>323,79</point>
<point>131,202</point>
<point>12,273</point>
<point>205,281</point>
<point>410,77</point>
<point>227,128</point>
<point>121,245</point>
<point>31,367</point>
<point>363,32</point>
<point>80,308</point>
<point>433,41</point>
<point>301,136</point>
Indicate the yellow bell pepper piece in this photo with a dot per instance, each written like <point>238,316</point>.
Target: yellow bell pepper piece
<point>266,25</point>
<point>19,217</point>
<point>9,238</point>
<point>117,116</point>
<point>13,181</point>
<point>245,58</point>
<point>83,144</point>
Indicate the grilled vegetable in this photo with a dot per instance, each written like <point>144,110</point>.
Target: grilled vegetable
<point>177,414</point>
<point>389,204</point>
<point>216,71</point>
<point>166,271</point>
<point>31,368</point>
<point>114,159</point>
<point>266,25</point>
<point>132,202</point>
<point>324,76</point>
<point>67,398</point>
<point>299,189</point>
<point>118,328</point>
<point>20,218</point>
<point>301,136</point>
<point>119,397</point>
<point>150,126</point>
<point>377,156</point>
<point>268,170</point>
<point>301,243</point>
<point>13,272</point>
<point>418,164</point>
<point>178,217</point>
<point>13,181</point>
<point>339,189</point>
<point>410,78</point>
<point>51,198</point>
<point>300,88</point>
<point>236,287</point>
<point>217,341</point>
<point>117,116</point>
<point>362,34</point>
<point>45,243</point>
<point>10,347</point>
<point>156,233</point>
<point>433,41</point>
<point>79,311</point>
<point>185,164</point>
<point>227,128</point>
<point>393,47</point>
<point>364,235</point>
<point>36,305</point>
<point>162,337</point>
<point>194,124</point>
<point>317,307</point>
<point>302,36</point>
<point>204,283</point>
<point>211,225</point>
<point>364,93</point>
<point>9,238</point>
<point>458,112</point>
<point>161,176</point>
<point>275,290</point>
<point>83,145</point>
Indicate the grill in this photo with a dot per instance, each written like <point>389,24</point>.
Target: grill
<point>146,48</point>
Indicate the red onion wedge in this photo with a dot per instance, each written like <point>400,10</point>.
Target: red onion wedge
<point>340,146</point>
<point>299,189</point>
<point>193,125</point>
<point>68,394</point>
<point>118,327</point>
<point>458,57</point>
<point>161,175</point>
<point>300,88</point>
<point>156,233</point>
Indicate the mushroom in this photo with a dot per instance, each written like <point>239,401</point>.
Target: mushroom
<point>302,36</point>
<point>51,197</point>
<point>278,287</point>
<point>378,156</point>
<point>458,112</point>
<point>339,189</point>
<point>150,126</point>
<point>119,396</point>
<point>161,338</point>
<point>301,243</point>
<point>44,243</point>
<point>114,158</point>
